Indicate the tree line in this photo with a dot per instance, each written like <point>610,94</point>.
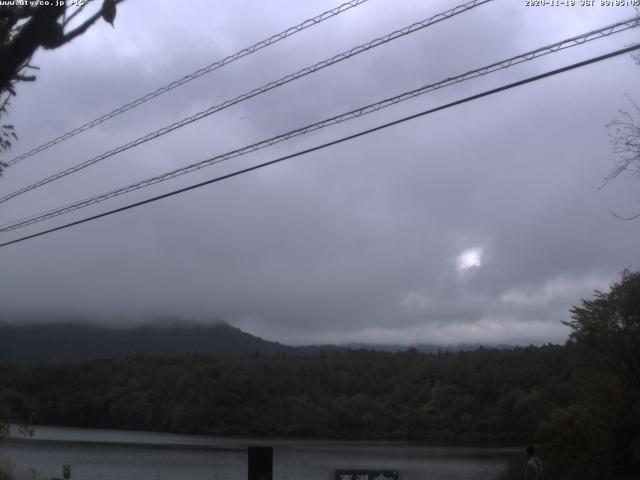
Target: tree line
<point>354,394</point>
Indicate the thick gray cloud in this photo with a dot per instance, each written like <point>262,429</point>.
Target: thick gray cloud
<point>481,223</point>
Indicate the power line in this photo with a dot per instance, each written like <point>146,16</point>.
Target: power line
<point>365,110</point>
<point>192,76</point>
<point>334,142</point>
<point>257,91</point>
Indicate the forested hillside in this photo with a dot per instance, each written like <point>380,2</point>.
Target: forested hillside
<point>35,341</point>
<point>42,342</point>
<point>488,394</point>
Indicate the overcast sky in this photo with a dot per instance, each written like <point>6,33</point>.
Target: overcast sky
<point>481,223</point>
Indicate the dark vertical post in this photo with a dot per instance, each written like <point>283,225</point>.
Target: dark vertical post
<point>260,463</point>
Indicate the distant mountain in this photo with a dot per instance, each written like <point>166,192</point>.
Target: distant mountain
<point>424,347</point>
<point>68,341</point>
<point>71,341</point>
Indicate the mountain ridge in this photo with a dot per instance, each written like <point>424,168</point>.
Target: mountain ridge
<point>38,342</point>
<point>41,342</point>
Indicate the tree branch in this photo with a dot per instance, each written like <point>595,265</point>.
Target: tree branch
<point>621,217</point>
<point>78,10</point>
<point>81,28</point>
<point>24,11</point>
<point>39,30</point>
<point>5,102</point>
<point>24,78</point>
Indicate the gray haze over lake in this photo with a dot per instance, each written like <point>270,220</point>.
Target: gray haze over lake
<point>482,223</point>
<point>122,455</point>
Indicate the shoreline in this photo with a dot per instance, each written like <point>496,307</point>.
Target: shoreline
<point>209,441</point>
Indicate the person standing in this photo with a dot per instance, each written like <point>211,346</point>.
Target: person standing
<point>533,470</point>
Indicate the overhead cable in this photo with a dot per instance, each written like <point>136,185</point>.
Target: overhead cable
<point>257,91</point>
<point>359,112</point>
<point>334,142</point>
<point>192,76</point>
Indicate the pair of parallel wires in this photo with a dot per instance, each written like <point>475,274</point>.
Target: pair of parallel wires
<point>250,94</point>
<point>567,43</point>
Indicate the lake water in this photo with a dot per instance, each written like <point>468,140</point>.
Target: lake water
<point>125,455</point>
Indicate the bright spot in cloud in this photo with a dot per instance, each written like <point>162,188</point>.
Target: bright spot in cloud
<point>470,258</point>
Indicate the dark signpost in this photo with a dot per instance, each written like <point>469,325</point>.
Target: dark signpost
<point>367,474</point>
<point>260,463</point>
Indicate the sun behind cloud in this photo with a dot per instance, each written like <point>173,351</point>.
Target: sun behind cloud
<point>469,258</point>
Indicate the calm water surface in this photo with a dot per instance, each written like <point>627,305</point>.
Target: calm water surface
<point>124,455</point>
